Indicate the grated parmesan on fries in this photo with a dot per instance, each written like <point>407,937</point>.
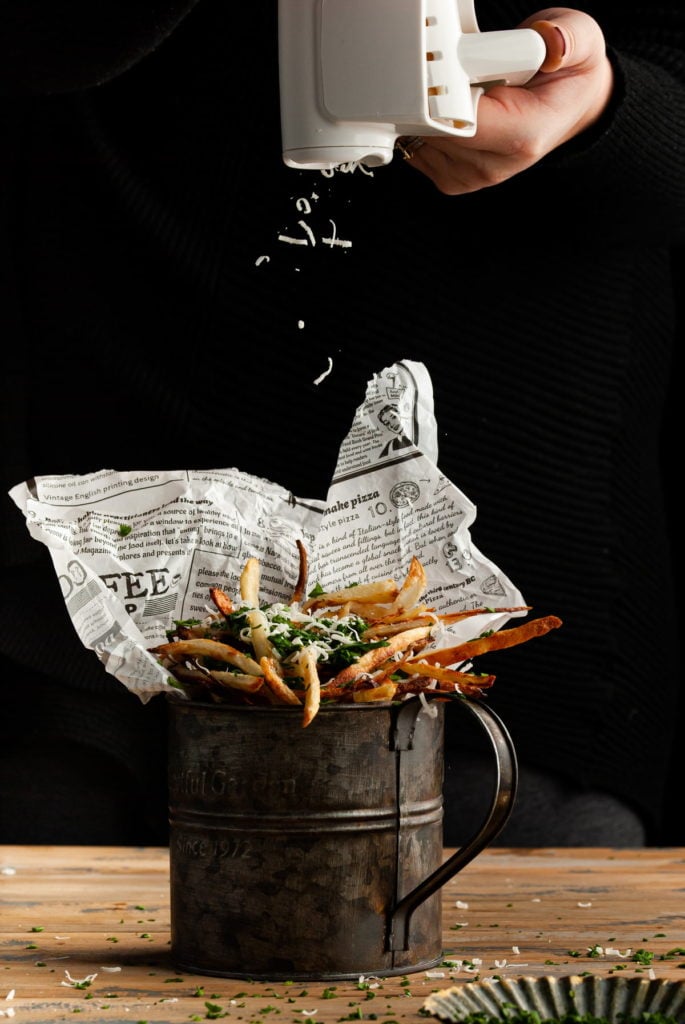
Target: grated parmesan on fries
<point>365,642</point>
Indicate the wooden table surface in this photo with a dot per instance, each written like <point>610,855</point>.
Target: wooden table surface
<point>85,930</point>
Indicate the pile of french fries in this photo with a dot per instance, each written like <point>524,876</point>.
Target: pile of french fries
<point>366,642</point>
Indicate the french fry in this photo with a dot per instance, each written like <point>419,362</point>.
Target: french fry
<point>421,615</point>
<point>203,648</point>
<point>312,683</point>
<point>301,585</point>
<point>358,644</point>
<point>414,585</point>
<point>372,659</point>
<point>259,633</point>
<point>331,692</point>
<point>495,641</point>
<point>384,691</point>
<point>276,684</point>
<point>221,600</point>
<point>249,583</point>
<point>469,684</point>
<point>237,680</point>
<point>383,629</point>
<point>437,672</point>
<point>362,593</point>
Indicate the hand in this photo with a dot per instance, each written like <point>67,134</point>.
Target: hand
<point>518,125</point>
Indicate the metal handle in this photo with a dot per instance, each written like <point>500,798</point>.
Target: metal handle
<point>498,815</point>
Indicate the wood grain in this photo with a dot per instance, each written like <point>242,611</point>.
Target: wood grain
<point>102,915</point>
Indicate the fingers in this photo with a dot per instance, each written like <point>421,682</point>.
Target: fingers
<point>518,125</point>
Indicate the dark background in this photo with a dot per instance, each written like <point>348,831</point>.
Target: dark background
<point>671,453</point>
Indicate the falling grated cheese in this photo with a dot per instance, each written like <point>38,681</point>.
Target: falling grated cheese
<point>322,376</point>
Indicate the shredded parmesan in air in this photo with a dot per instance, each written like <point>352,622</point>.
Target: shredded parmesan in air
<point>322,376</point>
<point>309,240</point>
<point>334,240</point>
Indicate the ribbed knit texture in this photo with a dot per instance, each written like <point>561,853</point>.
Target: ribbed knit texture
<point>142,334</point>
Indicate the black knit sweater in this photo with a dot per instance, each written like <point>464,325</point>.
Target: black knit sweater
<point>142,181</point>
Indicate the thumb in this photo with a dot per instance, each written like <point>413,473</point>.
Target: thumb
<point>571,38</point>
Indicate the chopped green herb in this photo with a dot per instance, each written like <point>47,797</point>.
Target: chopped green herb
<point>214,1011</point>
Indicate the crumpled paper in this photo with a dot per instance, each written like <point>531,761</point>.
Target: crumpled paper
<point>136,551</point>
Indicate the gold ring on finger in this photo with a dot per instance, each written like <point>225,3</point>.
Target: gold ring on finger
<point>408,145</point>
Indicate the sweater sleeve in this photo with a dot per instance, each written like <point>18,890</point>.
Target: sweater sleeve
<point>626,175</point>
<point>52,47</point>
<point>623,179</point>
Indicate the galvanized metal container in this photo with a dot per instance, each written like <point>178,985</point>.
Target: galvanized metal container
<point>312,854</point>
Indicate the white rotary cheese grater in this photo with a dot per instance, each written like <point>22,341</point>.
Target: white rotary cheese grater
<point>357,74</point>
